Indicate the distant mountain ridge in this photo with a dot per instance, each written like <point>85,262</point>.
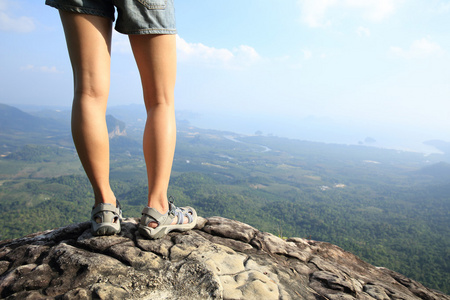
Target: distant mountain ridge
<point>49,128</point>
<point>13,120</point>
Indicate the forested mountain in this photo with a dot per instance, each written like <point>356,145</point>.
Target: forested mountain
<point>18,128</point>
<point>13,120</point>
<point>389,207</point>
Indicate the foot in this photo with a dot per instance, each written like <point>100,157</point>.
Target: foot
<point>155,225</point>
<point>105,219</point>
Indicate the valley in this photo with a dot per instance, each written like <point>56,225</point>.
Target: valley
<point>389,207</point>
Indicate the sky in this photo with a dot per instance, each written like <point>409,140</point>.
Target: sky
<point>375,67</point>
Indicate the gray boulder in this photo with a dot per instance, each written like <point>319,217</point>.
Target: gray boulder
<point>219,259</point>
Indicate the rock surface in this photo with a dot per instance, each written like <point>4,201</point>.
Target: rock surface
<point>220,259</point>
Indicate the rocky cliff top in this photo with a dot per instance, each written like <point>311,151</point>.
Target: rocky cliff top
<point>220,259</point>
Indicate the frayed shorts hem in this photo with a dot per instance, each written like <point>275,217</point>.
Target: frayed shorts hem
<point>147,31</point>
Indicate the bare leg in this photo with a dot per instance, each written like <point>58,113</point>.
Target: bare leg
<point>89,42</point>
<point>156,59</point>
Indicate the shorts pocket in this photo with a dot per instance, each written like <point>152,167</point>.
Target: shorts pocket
<point>154,4</point>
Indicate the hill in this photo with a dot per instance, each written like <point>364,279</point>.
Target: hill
<point>13,120</point>
<point>52,128</point>
<point>115,127</point>
<point>18,128</point>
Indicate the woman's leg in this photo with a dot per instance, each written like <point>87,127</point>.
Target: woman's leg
<point>89,42</point>
<point>156,59</point>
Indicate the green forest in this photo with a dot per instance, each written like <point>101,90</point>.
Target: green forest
<point>389,207</point>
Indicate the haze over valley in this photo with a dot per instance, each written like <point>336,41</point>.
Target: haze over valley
<point>390,207</point>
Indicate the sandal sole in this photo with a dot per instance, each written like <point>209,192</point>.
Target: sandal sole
<point>105,230</point>
<point>162,230</point>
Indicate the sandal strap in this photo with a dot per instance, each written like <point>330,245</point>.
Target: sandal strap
<point>105,219</point>
<point>181,212</point>
<point>179,215</point>
<point>103,207</point>
<point>152,215</point>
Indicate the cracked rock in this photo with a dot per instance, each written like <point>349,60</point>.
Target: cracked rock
<point>219,259</point>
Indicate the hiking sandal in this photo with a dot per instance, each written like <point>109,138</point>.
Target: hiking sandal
<point>105,219</point>
<point>164,221</point>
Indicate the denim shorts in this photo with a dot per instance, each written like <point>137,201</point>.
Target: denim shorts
<point>133,16</point>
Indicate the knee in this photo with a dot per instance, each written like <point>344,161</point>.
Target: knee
<point>159,101</point>
<point>91,92</point>
<point>92,87</point>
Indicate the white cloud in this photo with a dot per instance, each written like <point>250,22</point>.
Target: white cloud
<point>315,13</point>
<point>374,10</point>
<point>14,24</point>
<point>363,31</point>
<point>419,49</point>
<point>46,69</point>
<point>43,69</point>
<point>198,53</point>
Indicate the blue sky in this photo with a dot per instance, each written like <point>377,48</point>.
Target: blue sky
<point>380,62</point>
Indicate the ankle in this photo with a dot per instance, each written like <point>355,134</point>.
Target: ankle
<point>160,208</point>
<point>105,201</point>
<point>160,204</point>
<point>105,198</point>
